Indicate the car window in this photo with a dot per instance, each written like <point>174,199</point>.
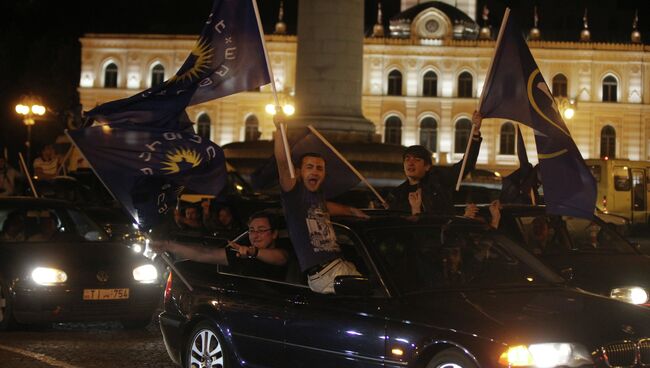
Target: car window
<point>544,235</point>
<point>595,236</point>
<point>84,227</point>
<point>258,269</point>
<point>419,259</point>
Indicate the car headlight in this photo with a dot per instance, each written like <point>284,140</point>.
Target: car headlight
<point>546,355</point>
<point>48,276</point>
<point>145,274</point>
<point>630,294</point>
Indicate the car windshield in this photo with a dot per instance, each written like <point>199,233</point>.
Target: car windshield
<point>47,225</point>
<point>555,235</point>
<point>417,259</point>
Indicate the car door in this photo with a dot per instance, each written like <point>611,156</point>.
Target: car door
<point>253,310</point>
<point>336,331</point>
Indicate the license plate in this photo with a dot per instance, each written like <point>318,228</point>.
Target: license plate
<point>106,294</point>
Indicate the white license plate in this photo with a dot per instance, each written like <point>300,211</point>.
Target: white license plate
<point>106,294</point>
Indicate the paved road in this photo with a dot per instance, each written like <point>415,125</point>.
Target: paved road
<point>100,345</point>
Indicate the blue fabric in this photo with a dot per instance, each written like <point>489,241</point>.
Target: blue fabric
<point>338,176</point>
<point>515,90</point>
<point>147,168</point>
<point>227,58</point>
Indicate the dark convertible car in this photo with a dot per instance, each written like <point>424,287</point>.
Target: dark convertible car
<point>56,265</point>
<point>443,292</point>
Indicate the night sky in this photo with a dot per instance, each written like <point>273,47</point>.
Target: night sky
<point>40,50</point>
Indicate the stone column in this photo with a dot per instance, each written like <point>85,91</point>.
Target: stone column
<point>329,70</point>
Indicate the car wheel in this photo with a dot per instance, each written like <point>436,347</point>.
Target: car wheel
<point>206,348</point>
<point>6,311</point>
<point>451,358</point>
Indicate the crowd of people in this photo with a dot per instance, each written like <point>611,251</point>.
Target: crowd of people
<point>207,218</point>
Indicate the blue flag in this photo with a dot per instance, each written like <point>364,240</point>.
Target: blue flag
<point>521,184</point>
<point>227,58</point>
<point>339,178</point>
<point>147,168</point>
<point>516,90</point>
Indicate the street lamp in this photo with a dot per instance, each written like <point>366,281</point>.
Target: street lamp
<point>288,109</point>
<point>29,107</point>
<point>567,108</point>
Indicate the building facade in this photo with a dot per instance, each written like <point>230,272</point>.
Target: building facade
<point>416,89</point>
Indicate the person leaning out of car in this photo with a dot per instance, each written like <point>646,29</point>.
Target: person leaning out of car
<point>262,258</point>
<point>429,189</point>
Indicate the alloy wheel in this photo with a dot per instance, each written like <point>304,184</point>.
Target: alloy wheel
<point>207,350</point>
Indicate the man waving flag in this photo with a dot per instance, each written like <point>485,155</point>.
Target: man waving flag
<point>145,152</point>
<point>515,90</point>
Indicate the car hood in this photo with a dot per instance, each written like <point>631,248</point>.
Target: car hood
<point>600,272</point>
<point>530,315</point>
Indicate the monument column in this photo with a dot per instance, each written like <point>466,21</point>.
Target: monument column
<point>329,70</point>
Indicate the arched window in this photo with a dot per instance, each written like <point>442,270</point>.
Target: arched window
<point>609,89</point>
<point>110,76</point>
<point>393,130</point>
<point>608,142</point>
<point>430,84</point>
<point>559,86</point>
<point>252,131</point>
<point>395,83</point>
<point>465,84</point>
<point>203,126</point>
<point>429,133</point>
<point>461,136</point>
<point>507,139</point>
<point>157,75</point>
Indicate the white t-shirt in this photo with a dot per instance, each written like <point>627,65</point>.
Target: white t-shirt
<point>48,167</point>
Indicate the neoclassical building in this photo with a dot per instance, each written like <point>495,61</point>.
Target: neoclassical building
<point>422,78</point>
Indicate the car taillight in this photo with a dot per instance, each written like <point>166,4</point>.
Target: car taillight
<point>168,288</point>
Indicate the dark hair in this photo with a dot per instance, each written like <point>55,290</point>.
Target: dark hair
<point>272,218</point>
<point>309,154</point>
<point>419,152</point>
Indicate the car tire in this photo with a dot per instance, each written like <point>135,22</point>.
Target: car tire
<point>451,358</point>
<point>206,342</point>
<point>7,320</point>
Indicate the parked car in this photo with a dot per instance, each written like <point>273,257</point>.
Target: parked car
<point>57,265</point>
<point>441,292</point>
<point>591,253</point>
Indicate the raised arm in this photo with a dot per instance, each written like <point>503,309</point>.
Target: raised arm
<point>286,182</point>
<point>191,251</point>
<point>474,149</point>
<point>273,256</point>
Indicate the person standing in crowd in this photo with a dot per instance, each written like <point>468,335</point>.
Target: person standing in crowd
<point>8,177</point>
<point>308,219</point>
<point>429,189</point>
<point>46,165</point>
<point>262,258</point>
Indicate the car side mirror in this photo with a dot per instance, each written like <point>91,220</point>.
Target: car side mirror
<point>567,273</point>
<point>352,285</point>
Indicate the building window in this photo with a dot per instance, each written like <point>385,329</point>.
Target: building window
<point>608,142</point>
<point>252,131</point>
<point>203,126</point>
<point>157,75</point>
<point>429,133</point>
<point>609,89</point>
<point>395,83</point>
<point>465,81</point>
<point>430,84</point>
<point>461,136</point>
<point>393,130</point>
<point>507,139</point>
<point>559,86</point>
<point>110,76</point>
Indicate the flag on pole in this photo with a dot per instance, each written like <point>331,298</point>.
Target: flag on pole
<point>521,184</point>
<point>339,178</point>
<point>515,90</point>
<point>227,58</point>
<point>146,169</point>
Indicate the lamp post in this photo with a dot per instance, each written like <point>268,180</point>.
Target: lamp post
<point>567,108</point>
<point>29,107</point>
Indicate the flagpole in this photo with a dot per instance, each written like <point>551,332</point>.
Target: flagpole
<point>163,256</point>
<point>354,170</point>
<point>23,166</point>
<point>285,141</point>
<point>488,79</point>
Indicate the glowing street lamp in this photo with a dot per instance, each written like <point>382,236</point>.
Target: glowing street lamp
<point>29,108</point>
<point>288,109</point>
<point>567,108</point>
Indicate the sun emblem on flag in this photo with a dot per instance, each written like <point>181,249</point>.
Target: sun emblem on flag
<point>181,159</point>
<point>199,63</point>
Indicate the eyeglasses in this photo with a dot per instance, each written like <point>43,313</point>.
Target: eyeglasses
<point>258,231</point>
